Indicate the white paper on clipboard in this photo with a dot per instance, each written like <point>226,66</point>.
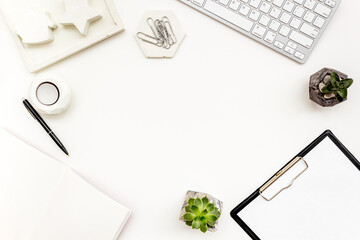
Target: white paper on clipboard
<point>322,204</point>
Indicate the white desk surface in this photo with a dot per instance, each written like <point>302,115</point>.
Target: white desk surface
<point>220,117</point>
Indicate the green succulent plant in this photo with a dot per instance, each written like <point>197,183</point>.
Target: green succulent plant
<point>338,86</point>
<point>201,214</point>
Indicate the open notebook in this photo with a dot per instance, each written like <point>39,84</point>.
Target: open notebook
<point>323,203</point>
<point>42,199</point>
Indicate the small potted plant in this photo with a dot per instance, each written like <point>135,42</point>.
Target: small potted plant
<point>201,211</point>
<point>329,87</point>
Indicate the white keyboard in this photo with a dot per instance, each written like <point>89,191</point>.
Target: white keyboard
<point>291,27</point>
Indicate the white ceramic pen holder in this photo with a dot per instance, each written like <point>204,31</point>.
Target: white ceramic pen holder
<point>50,94</point>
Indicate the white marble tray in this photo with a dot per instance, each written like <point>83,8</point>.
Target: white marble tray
<point>67,40</point>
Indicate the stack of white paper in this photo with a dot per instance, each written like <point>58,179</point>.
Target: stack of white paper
<point>42,199</point>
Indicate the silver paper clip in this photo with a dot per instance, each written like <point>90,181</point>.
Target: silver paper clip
<point>163,34</point>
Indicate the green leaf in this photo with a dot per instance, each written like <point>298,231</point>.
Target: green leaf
<point>214,211</point>
<point>199,203</point>
<point>337,85</point>
<point>203,228</point>
<point>211,223</point>
<point>210,207</point>
<point>189,223</point>
<point>191,201</point>
<point>211,218</point>
<point>218,214</point>
<point>189,216</point>
<point>205,201</point>
<point>195,209</point>
<point>188,208</point>
<point>327,89</point>
<point>342,93</point>
<point>347,82</point>
<point>334,79</point>
<point>203,220</point>
<point>338,97</point>
<point>196,224</point>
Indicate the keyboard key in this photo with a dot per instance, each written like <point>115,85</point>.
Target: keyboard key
<point>270,37</point>
<point>319,22</point>
<point>323,10</point>
<point>265,7</point>
<point>228,15</point>
<point>301,39</point>
<point>284,30</point>
<point>330,3</point>
<point>275,12</point>
<point>299,55</point>
<point>285,18</point>
<point>259,31</point>
<point>295,23</point>
<point>288,6</point>
<point>279,44</point>
<point>254,15</point>
<point>264,20</point>
<point>244,10</point>
<point>289,50</point>
<point>255,3</point>
<point>299,1</point>
<point>310,4</point>
<point>309,16</point>
<point>309,30</point>
<point>234,5</point>
<point>224,2</point>
<point>278,2</point>
<point>292,44</point>
<point>198,2</point>
<point>274,25</point>
<point>299,11</point>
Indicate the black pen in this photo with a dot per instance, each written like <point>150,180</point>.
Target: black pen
<point>38,118</point>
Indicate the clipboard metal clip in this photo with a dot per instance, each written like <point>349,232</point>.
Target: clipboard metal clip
<point>281,173</point>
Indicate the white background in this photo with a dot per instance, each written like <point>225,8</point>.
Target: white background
<point>221,117</point>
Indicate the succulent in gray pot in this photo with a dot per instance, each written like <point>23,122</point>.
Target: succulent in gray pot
<point>329,87</point>
<point>201,211</point>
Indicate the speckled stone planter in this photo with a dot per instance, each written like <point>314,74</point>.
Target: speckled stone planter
<point>192,194</point>
<point>315,94</point>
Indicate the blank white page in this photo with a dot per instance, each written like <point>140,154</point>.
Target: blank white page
<point>78,211</point>
<point>42,199</point>
<point>322,204</point>
<point>28,179</point>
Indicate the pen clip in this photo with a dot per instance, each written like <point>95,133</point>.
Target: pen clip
<point>30,112</point>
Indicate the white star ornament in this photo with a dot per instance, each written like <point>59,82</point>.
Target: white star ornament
<point>79,14</point>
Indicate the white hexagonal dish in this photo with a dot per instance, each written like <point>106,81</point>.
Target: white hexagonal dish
<point>151,50</point>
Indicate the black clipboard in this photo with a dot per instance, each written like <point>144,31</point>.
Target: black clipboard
<point>255,195</point>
